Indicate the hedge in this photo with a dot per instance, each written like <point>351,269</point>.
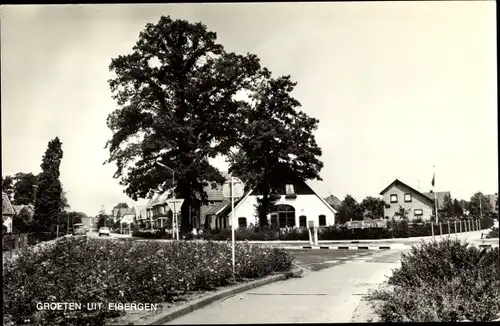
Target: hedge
<point>86,270</point>
<point>395,229</point>
<point>445,281</point>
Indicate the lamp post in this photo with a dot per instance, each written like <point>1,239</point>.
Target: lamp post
<point>174,214</point>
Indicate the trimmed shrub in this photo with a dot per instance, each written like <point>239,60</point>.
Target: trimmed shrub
<point>445,281</point>
<point>86,270</point>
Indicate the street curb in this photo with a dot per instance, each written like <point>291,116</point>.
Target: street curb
<point>345,247</point>
<point>205,301</point>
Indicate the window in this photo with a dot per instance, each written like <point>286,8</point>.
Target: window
<point>322,220</point>
<point>290,189</point>
<point>407,198</point>
<point>394,198</point>
<point>242,222</point>
<point>418,212</point>
<point>302,221</point>
<point>285,216</point>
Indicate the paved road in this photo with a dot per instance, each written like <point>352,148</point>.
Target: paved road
<point>93,234</point>
<point>329,291</point>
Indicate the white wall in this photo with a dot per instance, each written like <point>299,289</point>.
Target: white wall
<point>308,205</point>
<point>7,221</point>
<point>128,219</point>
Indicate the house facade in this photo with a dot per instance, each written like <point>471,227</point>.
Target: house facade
<point>420,205</point>
<point>298,204</point>
<point>7,213</point>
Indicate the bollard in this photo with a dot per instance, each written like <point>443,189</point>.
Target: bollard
<point>432,229</point>
<point>455,223</point>
<point>449,231</point>
<point>479,222</point>
<point>460,222</point>
<point>440,229</point>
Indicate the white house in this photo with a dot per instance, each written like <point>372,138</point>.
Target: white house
<point>299,203</point>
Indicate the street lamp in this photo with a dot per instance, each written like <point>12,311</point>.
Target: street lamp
<point>174,214</point>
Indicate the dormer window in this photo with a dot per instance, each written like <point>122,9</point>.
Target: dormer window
<point>211,203</point>
<point>290,191</point>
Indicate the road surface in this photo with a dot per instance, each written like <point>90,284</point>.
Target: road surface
<point>329,291</point>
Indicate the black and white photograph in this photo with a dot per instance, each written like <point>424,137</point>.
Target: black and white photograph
<point>249,163</point>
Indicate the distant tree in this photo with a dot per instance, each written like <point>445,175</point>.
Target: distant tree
<point>476,207</point>
<point>447,208</point>
<point>465,207</point>
<point>48,203</point>
<point>350,209</point>
<point>24,188</point>
<point>402,213</point>
<point>121,205</point>
<point>373,207</point>
<point>276,142</point>
<point>105,220</point>
<point>176,105</point>
<point>8,186</point>
<point>458,210</point>
<point>71,218</point>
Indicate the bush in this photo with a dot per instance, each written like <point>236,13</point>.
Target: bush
<point>445,281</point>
<point>492,234</point>
<point>85,270</point>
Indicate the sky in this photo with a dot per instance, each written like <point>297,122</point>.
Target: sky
<point>398,87</point>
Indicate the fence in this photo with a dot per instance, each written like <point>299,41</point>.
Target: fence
<point>20,240</point>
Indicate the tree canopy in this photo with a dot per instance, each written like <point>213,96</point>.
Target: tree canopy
<point>8,186</point>
<point>373,207</point>
<point>350,209</point>
<point>48,204</point>
<point>275,140</point>
<point>176,95</point>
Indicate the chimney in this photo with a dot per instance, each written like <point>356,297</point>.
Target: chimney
<point>431,191</point>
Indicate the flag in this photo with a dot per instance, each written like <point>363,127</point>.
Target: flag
<point>433,179</point>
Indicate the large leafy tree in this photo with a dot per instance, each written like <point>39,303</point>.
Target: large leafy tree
<point>176,105</point>
<point>373,207</point>
<point>8,186</point>
<point>480,204</point>
<point>48,204</point>
<point>25,188</point>
<point>275,141</point>
<point>350,209</point>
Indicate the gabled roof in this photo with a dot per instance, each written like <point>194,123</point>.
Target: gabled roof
<point>245,196</point>
<point>6,205</point>
<point>439,196</point>
<point>216,194</point>
<point>217,207</point>
<point>19,208</point>
<point>122,211</point>
<point>398,182</point>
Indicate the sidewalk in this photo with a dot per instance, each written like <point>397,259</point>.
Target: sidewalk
<point>326,296</point>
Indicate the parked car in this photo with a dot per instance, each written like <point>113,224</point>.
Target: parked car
<point>104,231</point>
<point>79,229</point>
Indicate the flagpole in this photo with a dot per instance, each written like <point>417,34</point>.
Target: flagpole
<point>434,190</point>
